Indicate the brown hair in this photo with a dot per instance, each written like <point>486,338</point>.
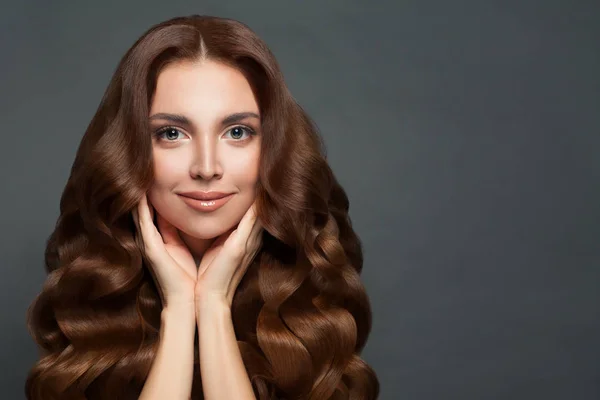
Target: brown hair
<point>301,314</point>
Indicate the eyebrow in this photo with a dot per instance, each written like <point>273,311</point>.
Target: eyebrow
<point>183,120</point>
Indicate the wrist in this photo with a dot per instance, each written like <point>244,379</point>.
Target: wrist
<point>177,311</point>
<point>212,303</point>
<point>177,321</point>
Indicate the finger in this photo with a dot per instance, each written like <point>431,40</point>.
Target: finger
<point>257,226</point>
<point>150,209</point>
<point>136,221</point>
<point>252,247</point>
<point>225,236</point>
<point>257,229</point>
<point>134,215</point>
<point>168,231</point>
<point>144,214</point>
<point>139,230</point>
<point>149,231</point>
<point>247,223</point>
<point>255,237</point>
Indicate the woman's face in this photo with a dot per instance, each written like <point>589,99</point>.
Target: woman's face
<point>212,150</point>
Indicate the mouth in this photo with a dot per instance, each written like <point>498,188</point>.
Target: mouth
<point>206,196</point>
<point>206,205</point>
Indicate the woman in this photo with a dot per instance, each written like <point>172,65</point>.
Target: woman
<point>156,289</point>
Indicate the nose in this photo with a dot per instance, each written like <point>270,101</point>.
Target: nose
<point>206,164</point>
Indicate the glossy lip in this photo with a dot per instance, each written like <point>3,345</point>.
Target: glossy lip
<point>205,195</point>
<point>206,205</point>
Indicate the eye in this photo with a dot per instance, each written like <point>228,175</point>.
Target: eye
<point>239,130</point>
<point>170,130</point>
<point>170,133</point>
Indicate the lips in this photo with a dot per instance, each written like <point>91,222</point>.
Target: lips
<point>206,206</point>
<point>206,196</point>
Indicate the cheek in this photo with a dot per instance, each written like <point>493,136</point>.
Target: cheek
<point>245,169</point>
<point>167,169</point>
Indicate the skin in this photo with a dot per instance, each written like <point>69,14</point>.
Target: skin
<point>223,371</point>
<point>197,258</point>
<point>205,155</point>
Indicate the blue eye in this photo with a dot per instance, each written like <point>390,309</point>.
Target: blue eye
<point>167,129</point>
<point>236,132</point>
<point>240,130</point>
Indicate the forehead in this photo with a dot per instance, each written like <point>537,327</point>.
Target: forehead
<point>202,90</point>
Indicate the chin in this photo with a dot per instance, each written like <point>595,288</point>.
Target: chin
<point>206,230</point>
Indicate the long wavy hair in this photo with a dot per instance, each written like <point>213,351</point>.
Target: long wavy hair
<point>301,314</point>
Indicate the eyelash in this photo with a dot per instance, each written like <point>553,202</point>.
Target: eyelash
<point>165,129</point>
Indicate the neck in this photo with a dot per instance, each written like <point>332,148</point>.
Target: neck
<point>196,246</point>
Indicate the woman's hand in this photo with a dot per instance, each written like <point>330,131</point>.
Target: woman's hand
<point>171,263</point>
<point>224,264</point>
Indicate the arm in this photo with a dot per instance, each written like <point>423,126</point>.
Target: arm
<point>223,372</point>
<point>172,370</point>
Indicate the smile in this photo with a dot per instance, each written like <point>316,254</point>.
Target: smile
<point>206,205</point>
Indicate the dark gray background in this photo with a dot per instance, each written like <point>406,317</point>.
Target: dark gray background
<point>464,132</point>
